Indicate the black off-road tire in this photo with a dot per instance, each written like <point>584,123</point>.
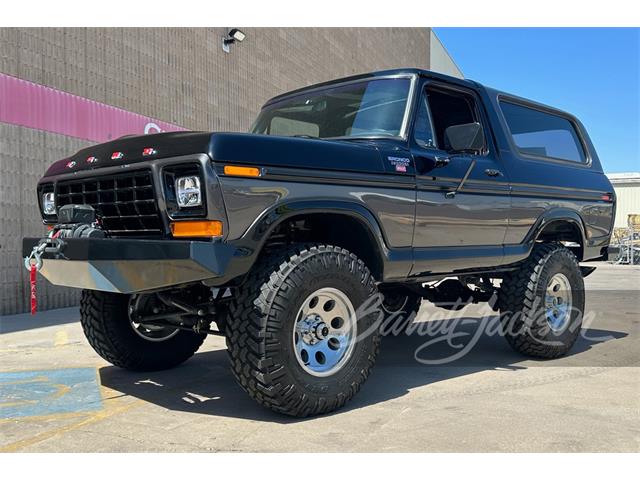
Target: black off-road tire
<point>399,307</point>
<point>105,321</point>
<point>261,322</point>
<point>521,303</point>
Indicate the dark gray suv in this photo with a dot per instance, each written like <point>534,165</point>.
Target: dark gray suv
<point>303,241</point>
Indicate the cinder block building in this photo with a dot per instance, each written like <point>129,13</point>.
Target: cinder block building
<point>63,89</point>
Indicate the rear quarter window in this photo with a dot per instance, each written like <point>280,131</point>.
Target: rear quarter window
<point>543,134</point>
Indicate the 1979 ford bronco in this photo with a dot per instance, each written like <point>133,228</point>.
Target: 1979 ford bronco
<point>347,204</point>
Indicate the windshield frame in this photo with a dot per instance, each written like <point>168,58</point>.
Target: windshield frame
<point>404,126</point>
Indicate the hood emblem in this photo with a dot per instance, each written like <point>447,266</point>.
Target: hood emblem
<point>117,155</point>
<point>71,164</point>
<point>92,159</point>
<point>148,152</point>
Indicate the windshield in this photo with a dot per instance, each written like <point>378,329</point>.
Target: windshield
<point>367,108</point>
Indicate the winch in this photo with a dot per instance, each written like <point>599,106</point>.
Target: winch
<point>75,221</point>
<point>78,221</point>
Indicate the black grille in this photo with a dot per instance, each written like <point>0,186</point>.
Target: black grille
<point>125,203</point>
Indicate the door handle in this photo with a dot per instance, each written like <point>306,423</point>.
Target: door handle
<point>492,172</point>
<point>440,162</point>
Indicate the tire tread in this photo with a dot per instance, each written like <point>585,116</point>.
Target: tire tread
<point>252,330</point>
<point>99,314</point>
<point>518,294</point>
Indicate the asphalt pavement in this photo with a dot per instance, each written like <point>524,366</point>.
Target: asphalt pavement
<point>455,387</point>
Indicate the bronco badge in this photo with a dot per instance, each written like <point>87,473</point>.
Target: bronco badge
<point>401,163</point>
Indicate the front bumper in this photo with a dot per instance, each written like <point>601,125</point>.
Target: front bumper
<point>130,266</point>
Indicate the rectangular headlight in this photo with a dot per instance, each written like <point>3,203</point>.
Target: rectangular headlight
<point>188,192</point>
<point>48,203</point>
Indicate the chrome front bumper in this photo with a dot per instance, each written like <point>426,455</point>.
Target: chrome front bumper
<point>130,266</point>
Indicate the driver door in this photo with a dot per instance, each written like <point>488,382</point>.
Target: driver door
<point>463,201</point>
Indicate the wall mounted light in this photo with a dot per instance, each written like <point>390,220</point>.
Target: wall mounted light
<point>234,35</point>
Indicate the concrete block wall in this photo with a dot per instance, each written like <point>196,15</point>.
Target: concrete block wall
<point>178,75</point>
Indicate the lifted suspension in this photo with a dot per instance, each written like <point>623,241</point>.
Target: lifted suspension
<point>176,309</point>
<point>455,294</point>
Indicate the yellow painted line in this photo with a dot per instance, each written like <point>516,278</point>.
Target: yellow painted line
<point>39,379</point>
<point>15,446</point>
<point>16,404</point>
<point>61,338</point>
<point>41,418</point>
<point>89,418</point>
<point>60,390</point>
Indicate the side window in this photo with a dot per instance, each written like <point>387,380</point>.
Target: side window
<point>543,134</point>
<point>422,131</point>
<point>449,108</point>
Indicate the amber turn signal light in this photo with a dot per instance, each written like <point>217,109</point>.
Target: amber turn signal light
<point>198,228</point>
<point>241,171</point>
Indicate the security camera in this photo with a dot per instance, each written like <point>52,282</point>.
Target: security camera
<point>234,35</point>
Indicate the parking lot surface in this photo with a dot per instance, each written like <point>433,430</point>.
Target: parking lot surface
<point>457,388</point>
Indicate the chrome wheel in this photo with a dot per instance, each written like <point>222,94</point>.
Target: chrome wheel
<point>146,304</point>
<point>558,302</point>
<point>325,331</point>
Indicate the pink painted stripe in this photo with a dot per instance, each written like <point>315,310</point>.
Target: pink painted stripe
<point>44,108</point>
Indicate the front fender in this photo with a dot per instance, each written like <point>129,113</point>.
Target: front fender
<point>247,248</point>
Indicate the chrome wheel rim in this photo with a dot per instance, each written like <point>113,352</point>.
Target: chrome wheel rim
<point>151,333</point>
<point>558,302</point>
<point>324,332</point>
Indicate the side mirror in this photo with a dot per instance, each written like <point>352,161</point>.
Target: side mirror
<point>464,138</point>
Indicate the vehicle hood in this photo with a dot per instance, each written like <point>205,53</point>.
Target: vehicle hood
<point>169,144</point>
<point>294,152</point>
<point>241,148</point>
